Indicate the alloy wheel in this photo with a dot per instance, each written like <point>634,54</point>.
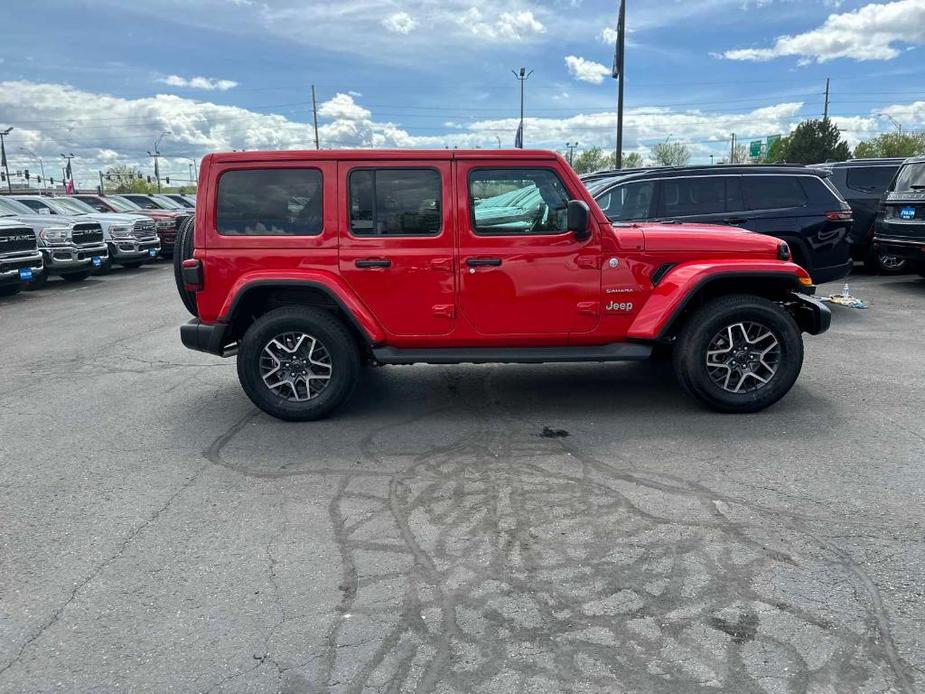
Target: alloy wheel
<point>743,357</point>
<point>296,366</point>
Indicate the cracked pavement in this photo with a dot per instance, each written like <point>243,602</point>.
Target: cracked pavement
<point>580,528</point>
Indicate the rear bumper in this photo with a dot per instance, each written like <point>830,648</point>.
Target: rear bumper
<point>910,249</point>
<point>201,337</point>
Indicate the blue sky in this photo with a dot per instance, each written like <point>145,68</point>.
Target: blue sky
<point>104,78</point>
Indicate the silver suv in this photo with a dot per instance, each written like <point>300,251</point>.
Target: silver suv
<point>131,238</point>
<point>20,258</point>
<point>71,247</point>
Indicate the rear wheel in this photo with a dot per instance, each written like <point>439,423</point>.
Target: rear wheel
<point>76,276</point>
<point>739,353</point>
<point>878,262</point>
<point>298,364</point>
<point>183,250</point>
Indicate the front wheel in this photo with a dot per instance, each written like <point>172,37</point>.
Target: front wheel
<point>133,265</point>
<point>76,276</point>
<point>298,364</point>
<point>739,353</point>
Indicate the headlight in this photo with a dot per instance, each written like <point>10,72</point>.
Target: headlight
<point>120,232</point>
<point>55,234</point>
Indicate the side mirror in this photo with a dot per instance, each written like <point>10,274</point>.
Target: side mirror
<point>578,214</point>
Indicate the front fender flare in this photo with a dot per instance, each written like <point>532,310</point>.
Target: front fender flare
<point>684,282</point>
<point>332,285</point>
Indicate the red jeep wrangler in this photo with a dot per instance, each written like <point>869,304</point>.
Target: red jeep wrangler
<point>310,264</point>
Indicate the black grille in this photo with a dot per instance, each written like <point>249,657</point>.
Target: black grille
<point>13,240</point>
<point>87,233</point>
<point>145,230</point>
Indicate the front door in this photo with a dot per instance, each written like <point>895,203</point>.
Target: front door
<point>521,272</point>
<point>396,247</point>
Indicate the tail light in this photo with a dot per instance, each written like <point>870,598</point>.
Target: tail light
<point>192,275</point>
<point>839,216</point>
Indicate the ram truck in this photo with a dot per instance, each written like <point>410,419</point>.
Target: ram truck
<point>71,247</point>
<point>308,265</point>
<point>20,258</point>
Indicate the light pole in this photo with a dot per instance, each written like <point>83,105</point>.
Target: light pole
<point>193,171</point>
<point>571,147</point>
<point>41,164</point>
<point>896,123</point>
<point>521,77</point>
<point>6,164</point>
<point>156,155</point>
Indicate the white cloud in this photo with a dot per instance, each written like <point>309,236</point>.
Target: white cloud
<point>586,70</point>
<point>206,83</point>
<point>871,32</point>
<point>514,26</point>
<point>400,23</point>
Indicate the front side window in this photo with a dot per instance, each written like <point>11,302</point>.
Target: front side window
<point>518,201</point>
<point>143,202</point>
<point>628,202</point>
<point>869,179</point>
<point>773,192</point>
<point>395,202</point>
<point>700,195</point>
<point>95,204</point>
<point>270,202</point>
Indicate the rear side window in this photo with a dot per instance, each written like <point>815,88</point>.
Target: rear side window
<point>773,192</point>
<point>629,202</point>
<point>517,201</point>
<point>698,195</point>
<point>396,202</point>
<point>910,177</point>
<point>270,202</point>
<point>869,179</point>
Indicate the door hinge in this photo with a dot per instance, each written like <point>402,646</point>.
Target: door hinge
<point>444,310</point>
<point>590,308</point>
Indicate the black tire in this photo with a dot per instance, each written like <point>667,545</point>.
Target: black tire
<point>39,280</point>
<point>183,250</point>
<point>76,276</point>
<point>10,289</point>
<point>706,324</point>
<point>335,339</point>
<point>878,263</point>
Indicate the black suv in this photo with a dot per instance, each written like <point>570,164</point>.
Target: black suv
<point>794,203</point>
<point>862,182</point>
<point>901,220</point>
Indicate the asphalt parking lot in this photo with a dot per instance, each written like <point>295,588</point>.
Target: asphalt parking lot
<point>491,528</point>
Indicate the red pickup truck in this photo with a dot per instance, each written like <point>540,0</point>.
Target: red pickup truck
<point>310,264</point>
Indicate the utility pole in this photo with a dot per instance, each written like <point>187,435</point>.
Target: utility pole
<point>522,77</point>
<point>6,164</point>
<point>825,113</point>
<point>498,138</point>
<point>102,189</point>
<point>732,150</point>
<point>40,161</point>
<point>619,73</point>
<point>156,155</point>
<point>571,147</point>
<point>315,117</point>
<point>69,173</point>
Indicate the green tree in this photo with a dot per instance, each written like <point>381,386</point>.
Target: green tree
<point>892,145</point>
<point>633,160</point>
<point>671,154</point>
<point>591,160</point>
<point>812,142</point>
<point>122,178</point>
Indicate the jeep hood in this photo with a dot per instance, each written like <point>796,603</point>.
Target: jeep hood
<point>709,238</point>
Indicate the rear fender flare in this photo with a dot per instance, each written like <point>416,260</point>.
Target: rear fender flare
<point>686,281</point>
<point>331,285</point>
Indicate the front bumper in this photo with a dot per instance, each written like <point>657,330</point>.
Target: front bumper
<point>133,249</point>
<point>11,264</point>
<point>198,336</point>
<point>72,258</point>
<point>813,316</point>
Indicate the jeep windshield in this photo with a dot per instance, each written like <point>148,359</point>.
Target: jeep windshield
<point>13,208</point>
<point>911,177</point>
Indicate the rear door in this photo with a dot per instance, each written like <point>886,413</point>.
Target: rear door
<point>521,272</point>
<point>705,199</point>
<point>396,244</point>
<point>863,188</point>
